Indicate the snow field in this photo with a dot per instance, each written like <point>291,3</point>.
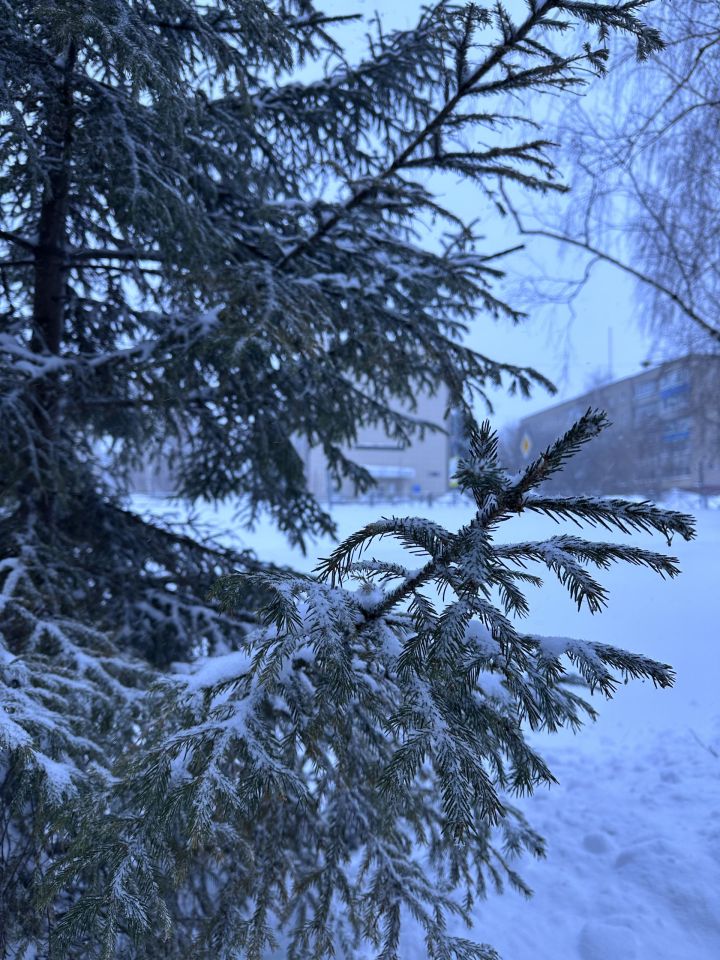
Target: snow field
<point>633,864</point>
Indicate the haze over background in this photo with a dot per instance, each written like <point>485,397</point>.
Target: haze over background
<point>285,671</point>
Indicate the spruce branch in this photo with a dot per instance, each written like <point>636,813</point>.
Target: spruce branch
<point>612,513</point>
<point>231,261</point>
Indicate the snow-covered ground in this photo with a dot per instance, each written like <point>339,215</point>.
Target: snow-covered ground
<point>633,828</point>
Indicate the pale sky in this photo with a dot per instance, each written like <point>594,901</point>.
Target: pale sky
<point>566,345</point>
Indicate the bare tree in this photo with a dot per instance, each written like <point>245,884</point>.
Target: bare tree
<point>646,185</point>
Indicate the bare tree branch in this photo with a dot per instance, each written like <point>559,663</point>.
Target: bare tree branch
<point>558,237</point>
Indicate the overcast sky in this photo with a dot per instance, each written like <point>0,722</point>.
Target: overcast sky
<point>569,346</point>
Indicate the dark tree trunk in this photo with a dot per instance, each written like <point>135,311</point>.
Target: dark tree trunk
<point>49,293</point>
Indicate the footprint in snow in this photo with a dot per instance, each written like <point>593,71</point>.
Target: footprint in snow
<point>603,941</point>
<point>596,843</point>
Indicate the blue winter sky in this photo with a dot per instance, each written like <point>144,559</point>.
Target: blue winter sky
<point>569,346</point>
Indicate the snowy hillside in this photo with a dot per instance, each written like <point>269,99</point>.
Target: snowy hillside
<point>633,828</point>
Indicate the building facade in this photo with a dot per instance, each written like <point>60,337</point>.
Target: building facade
<point>665,432</point>
<point>418,469</point>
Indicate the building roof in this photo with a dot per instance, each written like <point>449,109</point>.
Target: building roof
<point>589,395</point>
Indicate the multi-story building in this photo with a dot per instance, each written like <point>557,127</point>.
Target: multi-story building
<point>418,469</point>
<point>665,432</point>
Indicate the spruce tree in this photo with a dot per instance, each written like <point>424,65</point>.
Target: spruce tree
<point>205,256</point>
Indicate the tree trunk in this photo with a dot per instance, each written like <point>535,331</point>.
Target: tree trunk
<point>49,292</point>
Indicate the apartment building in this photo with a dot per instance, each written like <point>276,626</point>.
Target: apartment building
<point>665,432</point>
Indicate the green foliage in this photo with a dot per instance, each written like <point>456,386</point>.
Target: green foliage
<point>359,755</point>
<point>210,257</point>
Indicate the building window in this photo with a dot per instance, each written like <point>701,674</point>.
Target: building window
<point>674,379</point>
<point>674,400</point>
<point>679,431</point>
<point>646,409</point>
<point>644,390</point>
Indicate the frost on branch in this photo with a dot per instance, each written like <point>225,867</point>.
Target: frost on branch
<point>209,256</point>
<point>358,757</point>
